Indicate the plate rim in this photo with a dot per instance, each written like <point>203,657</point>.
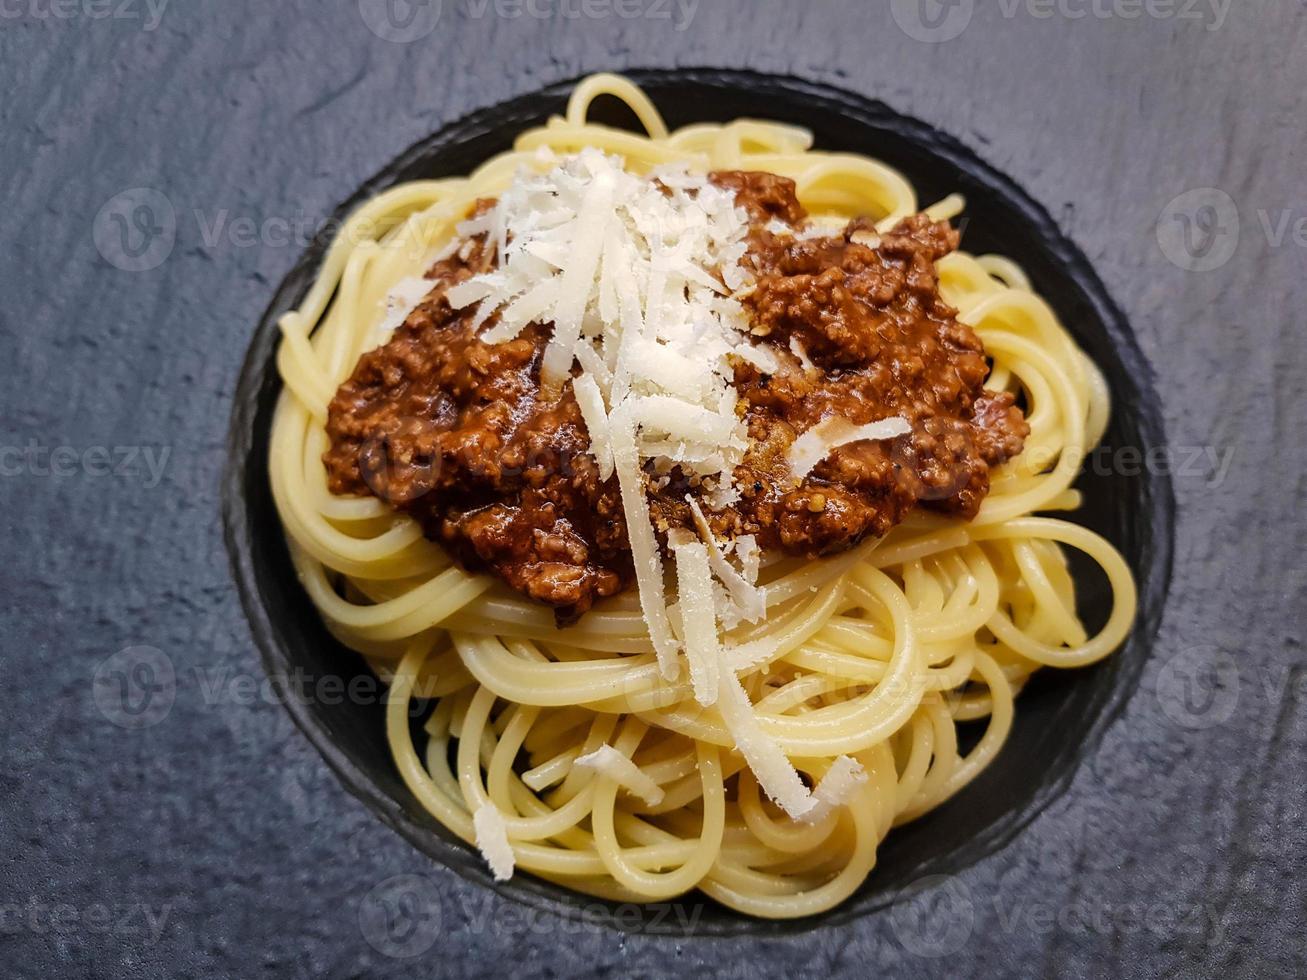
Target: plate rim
<point>258,375</point>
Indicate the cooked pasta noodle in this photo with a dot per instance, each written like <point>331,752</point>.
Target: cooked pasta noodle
<point>877,654</point>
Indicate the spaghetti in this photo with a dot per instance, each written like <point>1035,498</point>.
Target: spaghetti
<point>569,752</point>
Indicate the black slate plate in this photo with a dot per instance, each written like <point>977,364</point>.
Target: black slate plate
<point>1136,512</point>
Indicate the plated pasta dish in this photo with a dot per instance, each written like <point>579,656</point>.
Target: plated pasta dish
<point>692,491</point>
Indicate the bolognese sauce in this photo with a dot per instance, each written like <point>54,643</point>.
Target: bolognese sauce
<point>461,435</point>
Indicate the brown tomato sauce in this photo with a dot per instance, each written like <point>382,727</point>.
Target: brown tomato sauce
<point>458,433</point>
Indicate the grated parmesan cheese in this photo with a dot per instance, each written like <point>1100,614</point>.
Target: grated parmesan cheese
<point>591,402</point>
<point>797,349</point>
<point>402,300</point>
<point>609,762</point>
<point>746,656</point>
<point>748,602</point>
<point>836,787</point>
<point>776,775</point>
<point>644,548</point>
<point>634,277</point>
<point>829,434</point>
<point>698,616</point>
<point>749,555</point>
<point>637,282</point>
<point>492,841</point>
<point>642,283</point>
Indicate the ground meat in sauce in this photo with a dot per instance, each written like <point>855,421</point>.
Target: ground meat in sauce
<point>458,433</point>
<point>455,432</point>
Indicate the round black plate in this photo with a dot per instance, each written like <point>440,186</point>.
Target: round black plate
<point>1060,716</point>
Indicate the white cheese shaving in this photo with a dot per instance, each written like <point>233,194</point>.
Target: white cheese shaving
<point>469,291</point>
<point>579,276</point>
<point>763,359</point>
<point>683,420</point>
<point>749,554</point>
<point>453,247</point>
<point>828,435</point>
<point>836,787</point>
<point>592,364</point>
<point>749,602</point>
<point>746,656</point>
<point>480,225</point>
<point>720,497</point>
<point>796,348</point>
<point>402,300</point>
<point>820,229</point>
<point>492,841</point>
<point>609,762</point>
<point>665,368</point>
<point>591,402</point>
<point>644,548</point>
<point>529,306</point>
<point>776,775</point>
<point>698,616</point>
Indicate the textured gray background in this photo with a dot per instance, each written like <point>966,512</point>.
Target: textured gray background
<point>214,842</point>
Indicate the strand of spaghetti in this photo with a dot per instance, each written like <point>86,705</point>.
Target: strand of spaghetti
<point>578,104</point>
<point>1107,557</point>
